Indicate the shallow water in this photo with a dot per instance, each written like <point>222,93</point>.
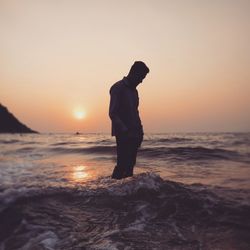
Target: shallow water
<point>190,191</point>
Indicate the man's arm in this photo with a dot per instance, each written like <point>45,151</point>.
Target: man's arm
<point>115,102</point>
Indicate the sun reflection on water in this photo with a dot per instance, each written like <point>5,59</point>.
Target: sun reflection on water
<point>79,173</point>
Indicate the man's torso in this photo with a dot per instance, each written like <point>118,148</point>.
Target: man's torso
<point>128,106</point>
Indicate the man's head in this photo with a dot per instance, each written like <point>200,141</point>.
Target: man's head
<point>137,73</point>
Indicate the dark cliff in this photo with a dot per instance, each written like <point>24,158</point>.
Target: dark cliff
<point>10,124</point>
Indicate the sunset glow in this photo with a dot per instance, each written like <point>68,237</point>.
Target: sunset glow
<point>198,53</point>
<point>79,114</point>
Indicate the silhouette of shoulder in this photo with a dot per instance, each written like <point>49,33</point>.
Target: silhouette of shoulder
<point>117,87</point>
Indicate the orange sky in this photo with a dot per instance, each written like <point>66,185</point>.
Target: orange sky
<point>56,56</point>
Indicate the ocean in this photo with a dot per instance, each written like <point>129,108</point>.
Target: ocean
<point>189,191</point>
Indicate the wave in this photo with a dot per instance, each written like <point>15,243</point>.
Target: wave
<point>175,140</point>
<point>139,212</point>
<point>24,149</point>
<point>243,142</point>
<point>168,153</point>
<point>9,141</point>
<point>100,141</point>
<point>191,153</point>
<point>188,152</point>
<point>64,143</point>
<point>94,149</point>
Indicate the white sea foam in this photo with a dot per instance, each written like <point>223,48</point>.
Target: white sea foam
<point>131,185</point>
<point>47,240</point>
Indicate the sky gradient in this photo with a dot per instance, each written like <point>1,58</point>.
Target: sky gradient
<point>57,57</point>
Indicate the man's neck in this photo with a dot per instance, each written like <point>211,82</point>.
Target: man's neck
<point>129,82</point>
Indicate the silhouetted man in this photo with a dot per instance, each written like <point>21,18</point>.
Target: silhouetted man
<point>126,122</point>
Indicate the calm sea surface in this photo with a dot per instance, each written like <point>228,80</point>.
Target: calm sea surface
<point>188,190</point>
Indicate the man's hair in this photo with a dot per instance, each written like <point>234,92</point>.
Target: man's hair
<point>139,67</point>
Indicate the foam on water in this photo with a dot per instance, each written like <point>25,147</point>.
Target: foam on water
<point>138,212</point>
<point>56,193</point>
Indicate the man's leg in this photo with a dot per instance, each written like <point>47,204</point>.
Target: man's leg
<point>132,154</point>
<point>122,150</point>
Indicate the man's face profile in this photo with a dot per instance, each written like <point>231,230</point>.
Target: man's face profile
<point>138,78</point>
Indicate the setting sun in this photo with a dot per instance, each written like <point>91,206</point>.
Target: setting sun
<point>79,114</point>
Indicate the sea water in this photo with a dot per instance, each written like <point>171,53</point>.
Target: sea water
<point>189,191</point>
